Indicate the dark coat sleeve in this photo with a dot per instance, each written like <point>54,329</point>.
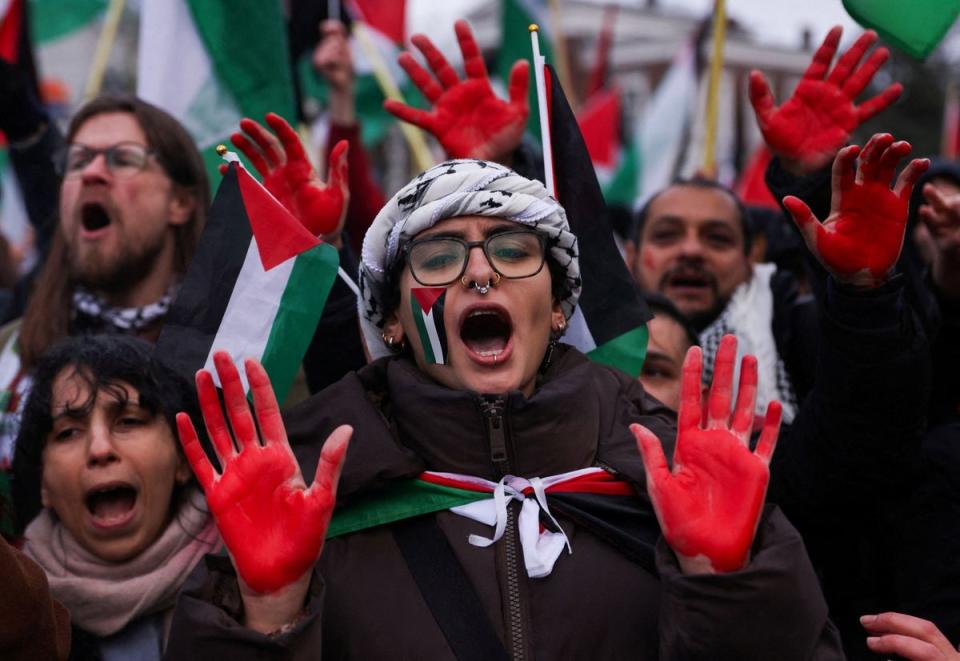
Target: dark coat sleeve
<point>771,609</point>
<point>206,622</point>
<point>33,625</point>
<point>864,418</point>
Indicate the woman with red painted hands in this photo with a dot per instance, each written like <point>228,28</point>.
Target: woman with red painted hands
<point>492,502</point>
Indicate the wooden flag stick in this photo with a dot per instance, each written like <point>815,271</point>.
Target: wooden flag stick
<point>108,35</point>
<point>539,64</point>
<point>413,135</point>
<point>713,86</point>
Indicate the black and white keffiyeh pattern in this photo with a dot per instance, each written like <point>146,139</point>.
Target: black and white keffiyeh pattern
<point>749,316</point>
<point>122,320</point>
<point>461,188</point>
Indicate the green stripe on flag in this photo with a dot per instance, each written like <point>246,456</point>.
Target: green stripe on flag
<point>398,501</point>
<point>300,309</point>
<point>625,352</point>
<point>52,19</point>
<point>246,41</point>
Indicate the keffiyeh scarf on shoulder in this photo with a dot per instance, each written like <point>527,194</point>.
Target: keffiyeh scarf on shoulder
<point>749,316</point>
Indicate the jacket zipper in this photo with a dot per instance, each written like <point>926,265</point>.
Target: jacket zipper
<point>493,412</point>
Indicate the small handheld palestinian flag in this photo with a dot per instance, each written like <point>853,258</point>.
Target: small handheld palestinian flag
<point>427,304</point>
<point>256,287</point>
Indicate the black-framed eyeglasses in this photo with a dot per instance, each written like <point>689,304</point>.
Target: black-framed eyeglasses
<point>435,262</point>
<point>124,159</point>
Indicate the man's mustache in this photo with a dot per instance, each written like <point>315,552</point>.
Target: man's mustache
<point>692,271</point>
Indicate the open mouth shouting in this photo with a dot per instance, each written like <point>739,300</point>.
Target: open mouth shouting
<point>111,505</point>
<point>689,282</point>
<point>94,220</point>
<point>486,331</point>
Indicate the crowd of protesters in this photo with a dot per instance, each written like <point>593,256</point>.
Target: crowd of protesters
<point>781,481</point>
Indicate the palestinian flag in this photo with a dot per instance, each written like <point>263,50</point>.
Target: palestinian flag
<point>211,63</point>
<point>427,307</point>
<point>592,498</point>
<point>256,287</point>
<point>610,322</point>
<point>752,186</point>
<point>614,161</point>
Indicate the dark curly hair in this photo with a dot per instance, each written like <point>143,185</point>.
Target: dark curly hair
<point>103,363</point>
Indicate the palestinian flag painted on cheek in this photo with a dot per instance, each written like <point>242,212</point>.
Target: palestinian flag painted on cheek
<point>256,287</point>
<point>427,305</point>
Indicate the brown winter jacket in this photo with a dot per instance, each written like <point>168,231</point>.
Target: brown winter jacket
<point>598,603</point>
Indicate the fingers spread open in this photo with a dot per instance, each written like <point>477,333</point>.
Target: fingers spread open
<point>265,403</point>
<point>721,390</point>
<point>253,154</point>
<point>908,178</point>
<point>288,138</point>
<point>761,98</point>
<point>424,81</point>
<point>771,430</point>
<point>849,60</point>
<point>519,85</point>
<point>414,116</point>
<point>235,400</point>
<point>266,141</point>
<point>870,156</point>
<point>438,63</point>
<point>339,165</point>
<point>690,391</point>
<point>332,457</point>
<point>880,102</point>
<point>860,78</point>
<point>820,63</point>
<point>213,418</point>
<point>743,412</point>
<point>654,461</point>
<point>889,160</point>
<point>472,59</point>
<point>194,452</point>
<point>809,226</point>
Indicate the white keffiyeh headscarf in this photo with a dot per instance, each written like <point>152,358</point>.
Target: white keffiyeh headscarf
<point>460,188</point>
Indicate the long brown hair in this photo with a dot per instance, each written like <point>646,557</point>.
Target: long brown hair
<point>47,317</point>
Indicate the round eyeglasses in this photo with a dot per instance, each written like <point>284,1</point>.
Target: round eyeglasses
<point>439,261</point>
<point>124,159</point>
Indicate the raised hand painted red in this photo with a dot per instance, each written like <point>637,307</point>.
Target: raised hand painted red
<point>290,178</point>
<point>272,524</point>
<point>468,119</point>
<point>807,130</point>
<point>709,504</point>
<point>860,240</point>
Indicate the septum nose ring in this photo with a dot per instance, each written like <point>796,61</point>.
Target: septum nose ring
<point>481,289</point>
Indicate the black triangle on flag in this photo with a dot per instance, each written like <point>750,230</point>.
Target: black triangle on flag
<point>615,313</point>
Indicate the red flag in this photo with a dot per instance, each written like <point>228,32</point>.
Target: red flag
<point>752,186</point>
<point>385,16</point>
<point>10,31</point>
<point>598,76</point>
<point>599,121</point>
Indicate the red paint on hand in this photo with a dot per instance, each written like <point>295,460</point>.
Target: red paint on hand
<point>860,241</point>
<point>468,119</point>
<point>709,504</point>
<point>289,176</point>
<point>272,524</point>
<point>821,115</point>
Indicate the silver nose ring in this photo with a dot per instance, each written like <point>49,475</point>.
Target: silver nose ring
<point>481,289</point>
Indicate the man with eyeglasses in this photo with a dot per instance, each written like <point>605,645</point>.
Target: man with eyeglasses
<point>133,197</point>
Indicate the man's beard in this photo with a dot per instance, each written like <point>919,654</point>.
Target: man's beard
<point>118,271</point>
<point>699,319</point>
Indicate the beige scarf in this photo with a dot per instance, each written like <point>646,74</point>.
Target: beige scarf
<point>103,597</point>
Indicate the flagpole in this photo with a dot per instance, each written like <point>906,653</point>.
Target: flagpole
<point>413,135</point>
<point>539,64</point>
<point>713,88</point>
<point>108,35</point>
<point>563,59</point>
